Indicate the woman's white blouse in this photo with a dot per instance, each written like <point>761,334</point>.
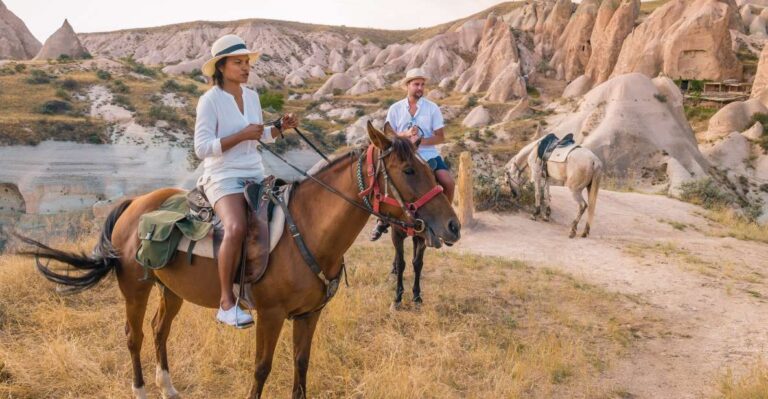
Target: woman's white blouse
<point>218,116</point>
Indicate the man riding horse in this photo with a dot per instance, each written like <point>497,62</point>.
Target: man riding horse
<point>419,120</point>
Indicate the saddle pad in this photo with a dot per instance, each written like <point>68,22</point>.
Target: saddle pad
<point>560,154</point>
<point>205,247</point>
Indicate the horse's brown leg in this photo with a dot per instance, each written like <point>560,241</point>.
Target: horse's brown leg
<point>169,307</point>
<point>419,246</point>
<point>268,328</point>
<point>136,294</point>
<point>398,238</point>
<point>303,331</point>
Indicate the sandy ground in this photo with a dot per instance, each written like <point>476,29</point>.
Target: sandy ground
<point>708,293</point>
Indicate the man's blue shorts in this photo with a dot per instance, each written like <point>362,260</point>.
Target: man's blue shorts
<point>437,163</point>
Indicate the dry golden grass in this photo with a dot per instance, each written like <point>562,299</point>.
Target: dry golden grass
<point>752,385</point>
<point>489,328</point>
<point>738,227</point>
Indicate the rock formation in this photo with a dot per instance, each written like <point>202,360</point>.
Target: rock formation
<point>636,126</point>
<point>62,42</point>
<point>16,41</point>
<point>686,39</point>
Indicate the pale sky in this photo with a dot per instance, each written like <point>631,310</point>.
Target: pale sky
<point>43,17</point>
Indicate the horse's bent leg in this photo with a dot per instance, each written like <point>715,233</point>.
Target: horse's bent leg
<point>398,237</point>
<point>582,207</point>
<point>593,188</point>
<point>537,196</point>
<point>547,201</point>
<point>419,245</point>
<point>303,330</point>
<point>268,326</point>
<point>136,294</point>
<point>169,307</point>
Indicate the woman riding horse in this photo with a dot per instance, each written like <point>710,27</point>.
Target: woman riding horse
<point>229,121</point>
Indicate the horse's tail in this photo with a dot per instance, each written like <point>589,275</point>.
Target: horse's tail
<point>96,266</point>
<point>594,186</point>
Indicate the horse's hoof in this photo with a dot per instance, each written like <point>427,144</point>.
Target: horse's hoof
<point>573,234</point>
<point>545,218</point>
<point>396,306</point>
<point>533,217</point>
<point>584,234</point>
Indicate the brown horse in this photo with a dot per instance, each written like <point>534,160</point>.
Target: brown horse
<point>398,266</point>
<point>289,288</point>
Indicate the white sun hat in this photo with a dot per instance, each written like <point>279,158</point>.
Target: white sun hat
<point>415,73</point>
<point>225,46</point>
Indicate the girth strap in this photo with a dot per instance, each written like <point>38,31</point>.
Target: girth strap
<point>331,285</point>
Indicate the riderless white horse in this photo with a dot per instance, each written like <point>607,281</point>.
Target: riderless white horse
<point>575,167</point>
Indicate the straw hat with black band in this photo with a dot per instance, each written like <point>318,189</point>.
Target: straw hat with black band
<point>415,73</point>
<point>227,46</point>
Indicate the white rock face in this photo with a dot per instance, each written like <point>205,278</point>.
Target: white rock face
<point>357,133</point>
<point>631,129</point>
<point>478,117</point>
<point>16,41</point>
<point>343,113</point>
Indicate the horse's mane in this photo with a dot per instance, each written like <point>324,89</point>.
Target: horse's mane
<point>403,149</point>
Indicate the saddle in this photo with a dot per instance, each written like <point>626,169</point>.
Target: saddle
<point>187,223</point>
<point>553,149</point>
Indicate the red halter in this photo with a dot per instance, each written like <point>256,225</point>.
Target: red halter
<point>372,187</point>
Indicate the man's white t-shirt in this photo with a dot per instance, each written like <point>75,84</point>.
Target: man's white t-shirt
<point>428,118</point>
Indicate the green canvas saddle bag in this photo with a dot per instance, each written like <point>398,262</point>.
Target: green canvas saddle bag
<point>160,232</point>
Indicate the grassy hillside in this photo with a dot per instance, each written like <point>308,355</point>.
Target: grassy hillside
<point>489,328</point>
<point>49,100</point>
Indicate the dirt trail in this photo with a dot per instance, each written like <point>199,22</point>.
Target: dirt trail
<point>708,291</point>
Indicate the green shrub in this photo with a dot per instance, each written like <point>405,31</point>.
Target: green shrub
<point>118,86</point>
<point>271,99</point>
<point>698,113</point>
<point>707,193</point>
<point>337,92</point>
<point>20,68</point>
<point>471,101</point>
<point>39,77</point>
<point>103,75</point>
<point>488,194</point>
<point>190,88</point>
<point>55,107</point>
<point>171,85</point>
<point>158,112</point>
<point>69,84</point>
<point>123,101</point>
<point>532,91</point>
<point>62,94</point>
<point>138,67</point>
<point>64,59</point>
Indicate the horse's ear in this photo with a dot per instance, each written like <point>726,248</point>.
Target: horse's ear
<point>379,139</point>
<point>388,130</point>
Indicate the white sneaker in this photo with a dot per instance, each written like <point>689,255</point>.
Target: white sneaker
<point>235,317</point>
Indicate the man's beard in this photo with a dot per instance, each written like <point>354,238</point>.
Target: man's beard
<point>418,95</point>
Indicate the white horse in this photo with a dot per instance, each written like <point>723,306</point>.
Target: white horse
<point>581,169</point>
